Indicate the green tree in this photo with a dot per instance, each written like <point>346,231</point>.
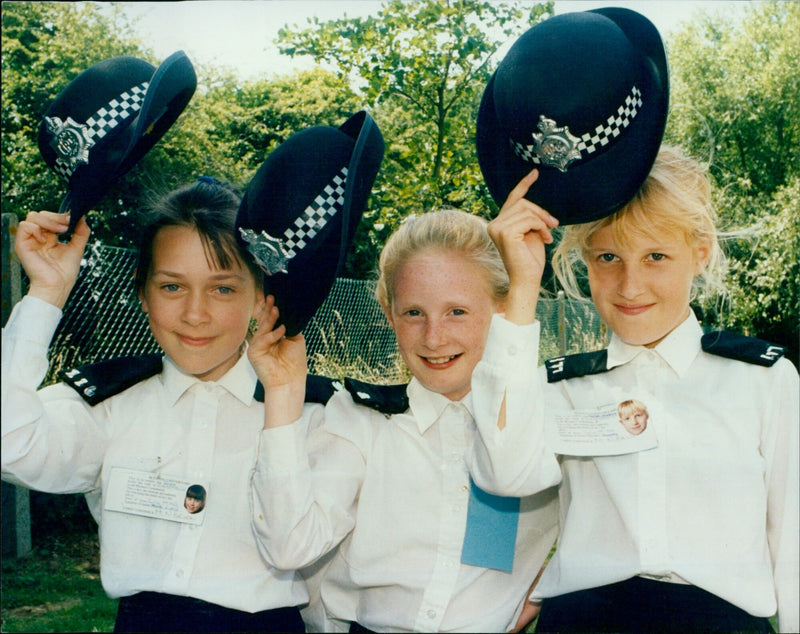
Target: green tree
<point>226,131</point>
<point>422,67</point>
<point>735,104</point>
<point>254,117</point>
<point>44,45</point>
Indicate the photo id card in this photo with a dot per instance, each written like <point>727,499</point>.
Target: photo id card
<point>154,495</point>
<point>619,428</point>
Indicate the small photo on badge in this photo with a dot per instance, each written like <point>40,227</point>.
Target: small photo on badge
<point>633,416</point>
<point>195,499</point>
<point>624,425</point>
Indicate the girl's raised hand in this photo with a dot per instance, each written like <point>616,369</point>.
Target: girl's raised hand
<point>280,363</point>
<point>51,266</point>
<point>520,232</point>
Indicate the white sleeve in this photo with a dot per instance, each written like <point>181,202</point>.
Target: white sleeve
<point>306,483</point>
<point>779,446</point>
<point>50,438</point>
<point>514,460</point>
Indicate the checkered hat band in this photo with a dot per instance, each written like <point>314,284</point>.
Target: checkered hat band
<point>117,110</point>
<point>316,215</point>
<point>105,120</point>
<point>63,170</point>
<point>602,135</point>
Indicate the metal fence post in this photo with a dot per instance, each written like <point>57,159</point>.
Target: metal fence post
<point>12,285</point>
<point>16,513</point>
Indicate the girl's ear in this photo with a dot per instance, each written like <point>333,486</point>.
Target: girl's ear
<point>143,301</point>
<point>702,254</point>
<point>261,301</point>
<point>388,312</point>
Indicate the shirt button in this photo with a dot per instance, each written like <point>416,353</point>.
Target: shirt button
<point>512,351</point>
<point>431,614</point>
<point>179,574</point>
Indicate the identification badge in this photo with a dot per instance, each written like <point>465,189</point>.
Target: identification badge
<point>618,428</point>
<point>154,495</point>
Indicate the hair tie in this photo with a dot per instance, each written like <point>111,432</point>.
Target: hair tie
<point>207,179</point>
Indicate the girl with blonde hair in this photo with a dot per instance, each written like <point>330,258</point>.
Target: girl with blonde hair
<point>400,477</point>
<point>701,532</point>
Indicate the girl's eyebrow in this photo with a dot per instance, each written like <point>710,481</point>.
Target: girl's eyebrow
<point>224,275</point>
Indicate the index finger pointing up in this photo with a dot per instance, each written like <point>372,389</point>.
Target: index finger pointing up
<point>523,186</point>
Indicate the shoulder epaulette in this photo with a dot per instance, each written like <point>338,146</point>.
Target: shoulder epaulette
<point>387,399</point>
<point>575,365</point>
<point>318,389</point>
<point>732,345</point>
<point>96,382</point>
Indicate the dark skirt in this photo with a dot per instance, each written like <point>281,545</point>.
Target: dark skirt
<point>156,612</point>
<point>646,606</point>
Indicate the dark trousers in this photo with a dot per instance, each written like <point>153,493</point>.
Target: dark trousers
<point>156,612</point>
<point>645,606</point>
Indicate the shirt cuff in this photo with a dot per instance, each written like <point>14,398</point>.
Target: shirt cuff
<point>510,344</point>
<point>34,320</point>
<point>283,449</point>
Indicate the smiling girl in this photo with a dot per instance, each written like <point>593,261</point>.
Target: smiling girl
<point>388,471</point>
<point>700,533</point>
<point>133,434</point>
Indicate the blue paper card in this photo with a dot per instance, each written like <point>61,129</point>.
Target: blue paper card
<point>491,530</point>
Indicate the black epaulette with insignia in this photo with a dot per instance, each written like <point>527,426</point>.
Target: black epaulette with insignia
<point>387,399</point>
<point>319,389</point>
<point>732,345</point>
<point>96,382</point>
<point>575,365</point>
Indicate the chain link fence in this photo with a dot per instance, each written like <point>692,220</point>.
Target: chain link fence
<point>348,336</point>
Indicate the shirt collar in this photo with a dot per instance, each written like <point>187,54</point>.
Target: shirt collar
<point>427,407</point>
<point>678,349</point>
<point>239,381</point>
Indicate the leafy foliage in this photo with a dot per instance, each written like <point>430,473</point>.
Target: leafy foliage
<point>44,46</point>
<point>226,131</point>
<point>735,104</point>
<point>421,66</point>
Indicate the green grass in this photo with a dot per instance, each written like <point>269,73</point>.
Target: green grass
<point>56,588</point>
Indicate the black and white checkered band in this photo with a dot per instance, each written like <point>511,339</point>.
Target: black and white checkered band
<point>558,147</point>
<point>273,254</point>
<point>72,141</point>
<point>316,215</point>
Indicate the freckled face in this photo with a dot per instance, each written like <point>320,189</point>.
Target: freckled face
<point>642,290</point>
<point>441,312</point>
<point>198,314</point>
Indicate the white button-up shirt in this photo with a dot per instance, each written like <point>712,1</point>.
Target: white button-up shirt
<point>394,490</point>
<point>171,424</point>
<point>714,505</point>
